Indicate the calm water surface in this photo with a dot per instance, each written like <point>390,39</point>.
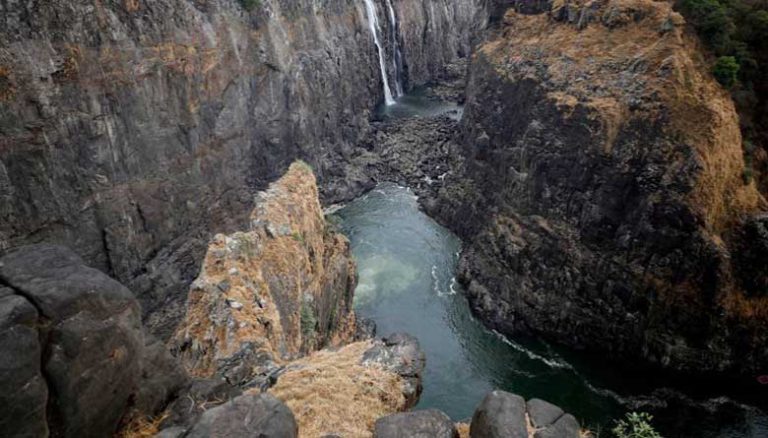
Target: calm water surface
<point>407,264</point>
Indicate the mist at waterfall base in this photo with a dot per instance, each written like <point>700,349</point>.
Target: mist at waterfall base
<point>419,102</point>
<point>406,264</point>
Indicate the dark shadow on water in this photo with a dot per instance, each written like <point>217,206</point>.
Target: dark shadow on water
<point>406,265</point>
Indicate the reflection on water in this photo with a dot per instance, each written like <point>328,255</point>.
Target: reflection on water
<point>406,266</point>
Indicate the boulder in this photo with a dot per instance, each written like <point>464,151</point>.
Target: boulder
<point>565,427</point>
<point>260,415</point>
<point>92,326</point>
<point>23,392</point>
<point>500,415</point>
<point>429,423</point>
<point>542,413</point>
<point>75,357</point>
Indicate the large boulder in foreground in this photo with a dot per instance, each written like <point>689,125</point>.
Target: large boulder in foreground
<point>505,415</point>
<point>500,414</point>
<point>419,424</point>
<point>253,415</point>
<point>74,355</point>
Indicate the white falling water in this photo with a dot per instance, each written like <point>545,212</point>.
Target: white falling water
<point>396,54</point>
<point>373,23</point>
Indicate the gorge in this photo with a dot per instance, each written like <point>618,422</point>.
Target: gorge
<point>598,246</point>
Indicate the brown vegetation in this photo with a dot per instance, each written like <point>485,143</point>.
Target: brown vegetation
<point>332,393</point>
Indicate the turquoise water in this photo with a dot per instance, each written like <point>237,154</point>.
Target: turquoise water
<point>406,265</point>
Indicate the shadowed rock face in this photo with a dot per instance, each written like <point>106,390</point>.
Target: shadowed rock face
<point>133,131</point>
<point>73,348</point>
<point>602,198</point>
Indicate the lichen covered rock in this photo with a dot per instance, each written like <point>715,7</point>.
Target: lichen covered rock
<point>272,293</point>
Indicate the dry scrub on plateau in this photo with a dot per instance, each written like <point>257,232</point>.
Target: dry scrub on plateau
<point>331,392</point>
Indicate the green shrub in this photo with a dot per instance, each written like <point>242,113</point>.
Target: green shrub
<point>635,425</point>
<point>308,319</point>
<point>726,71</point>
<point>250,4</point>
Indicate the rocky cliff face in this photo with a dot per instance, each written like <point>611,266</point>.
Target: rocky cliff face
<point>132,131</point>
<point>602,198</point>
<point>277,291</point>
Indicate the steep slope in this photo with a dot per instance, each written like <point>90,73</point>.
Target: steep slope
<point>603,198</point>
<point>279,290</point>
<point>132,131</point>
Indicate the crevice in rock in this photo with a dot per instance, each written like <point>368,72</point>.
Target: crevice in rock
<point>43,330</point>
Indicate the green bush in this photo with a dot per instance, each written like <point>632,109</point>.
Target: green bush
<point>308,319</point>
<point>635,425</point>
<point>726,71</point>
<point>250,4</point>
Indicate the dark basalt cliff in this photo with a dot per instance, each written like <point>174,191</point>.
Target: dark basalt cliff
<point>132,131</point>
<point>602,197</point>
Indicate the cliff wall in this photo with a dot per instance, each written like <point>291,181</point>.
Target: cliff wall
<point>132,131</point>
<point>602,197</point>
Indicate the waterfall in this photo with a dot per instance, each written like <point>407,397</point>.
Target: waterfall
<point>397,57</point>
<point>373,23</point>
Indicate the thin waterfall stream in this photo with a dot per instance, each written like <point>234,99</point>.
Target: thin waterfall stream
<point>373,24</point>
<point>397,56</point>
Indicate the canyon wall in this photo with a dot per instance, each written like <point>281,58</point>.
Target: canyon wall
<point>602,198</point>
<point>132,131</point>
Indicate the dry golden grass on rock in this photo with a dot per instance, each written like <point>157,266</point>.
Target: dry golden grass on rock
<point>141,426</point>
<point>642,46</point>
<point>285,285</point>
<point>330,392</point>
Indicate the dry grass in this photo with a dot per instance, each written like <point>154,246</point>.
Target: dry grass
<point>141,426</point>
<point>463,429</point>
<point>332,393</point>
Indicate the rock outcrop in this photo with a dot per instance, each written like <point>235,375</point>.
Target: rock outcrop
<point>133,131</point>
<point>272,293</point>
<point>73,350</point>
<point>343,392</point>
<point>602,198</point>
